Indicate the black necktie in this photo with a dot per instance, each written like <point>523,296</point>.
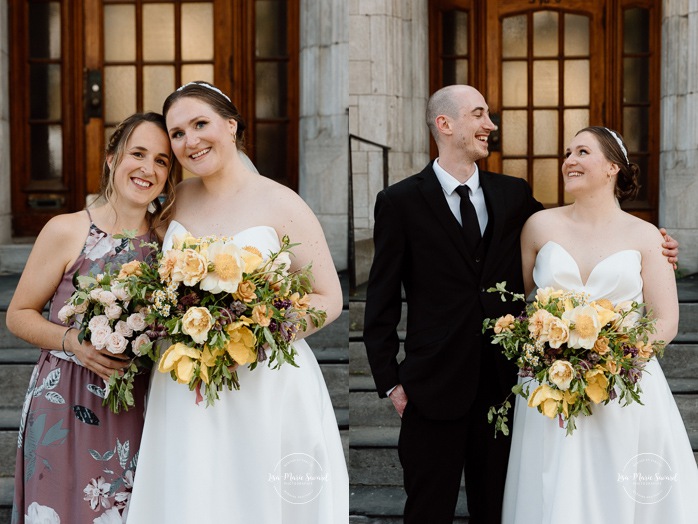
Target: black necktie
<point>471,225</point>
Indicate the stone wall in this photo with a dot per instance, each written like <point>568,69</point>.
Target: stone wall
<point>679,129</point>
<point>5,202</point>
<point>323,147</point>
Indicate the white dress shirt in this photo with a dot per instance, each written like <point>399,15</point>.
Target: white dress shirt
<point>477,196</point>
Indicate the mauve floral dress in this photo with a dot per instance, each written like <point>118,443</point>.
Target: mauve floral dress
<point>75,458</point>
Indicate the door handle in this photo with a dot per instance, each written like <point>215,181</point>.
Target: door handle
<point>93,100</point>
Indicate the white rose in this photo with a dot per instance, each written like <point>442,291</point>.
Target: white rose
<point>99,336</point>
<point>107,297</point>
<point>121,292</point>
<point>65,313</point>
<point>561,374</point>
<point>136,322</point>
<point>94,294</point>
<point>139,341</point>
<point>113,311</point>
<point>123,329</point>
<point>98,321</point>
<point>81,307</point>
<point>116,343</point>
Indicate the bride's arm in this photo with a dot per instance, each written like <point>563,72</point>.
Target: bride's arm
<point>295,219</point>
<point>659,286</point>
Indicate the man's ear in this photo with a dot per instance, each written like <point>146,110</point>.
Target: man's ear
<point>443,124</point>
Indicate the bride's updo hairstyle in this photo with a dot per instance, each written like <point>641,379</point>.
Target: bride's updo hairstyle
<point>216,99</point>
<point>614,149</point>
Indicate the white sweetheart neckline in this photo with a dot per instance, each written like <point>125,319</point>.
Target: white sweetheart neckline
<point>579,273</point>
<point>233,236</point>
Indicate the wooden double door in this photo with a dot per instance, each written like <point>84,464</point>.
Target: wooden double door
<point>78,68</point>
<point>548,68</point>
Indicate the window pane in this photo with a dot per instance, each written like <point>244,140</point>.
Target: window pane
<point>635,80</point>
<point>271,145</point>
<point>158,32</point>
<point>545,83</point>
<point>455,33</point>
<point>119,33</point>
<point>270,88</point>
<point>47,152</point>
<point>158,83</point>
<point>545,179</point>
<point>576,35</point>
<point>120,92</point>
<point>636,23</point>
<point>193,72</point>
<point>45,91</point>
<point>545,25</point>
<point>45,30</point>
<point>455,71</point>
<point>270,28</point>
<point>516,167</point>
<point>514,37</point>
<point>545,133</point>
<point>636,128</point>
<point>514,133</point>
<point>514,84</point>
<point>197,31</point>
<point>576,82</point>
<point>575,119</point>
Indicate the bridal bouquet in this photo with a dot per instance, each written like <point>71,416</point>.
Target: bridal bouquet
<point>225,306</point>
<point>112,311</point>
<point>576,352</point>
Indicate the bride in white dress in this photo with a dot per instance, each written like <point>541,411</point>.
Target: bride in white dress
<point>269,453</point>
<point>621,465</point>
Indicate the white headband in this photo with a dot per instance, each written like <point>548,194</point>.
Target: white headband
<point>620,144</point>
<point>208,86</point>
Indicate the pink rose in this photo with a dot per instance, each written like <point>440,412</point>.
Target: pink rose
<point>139,341</point>
<point>116,343</point>
<point>113,311</point>
<point>99,336</point>
<point>98,321</point>
<point>106,297</point>
<point>123,329</point>
<point>65,313</point>
<point>136,322</point>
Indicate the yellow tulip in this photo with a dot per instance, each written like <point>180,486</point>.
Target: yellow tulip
<point>546,399</point>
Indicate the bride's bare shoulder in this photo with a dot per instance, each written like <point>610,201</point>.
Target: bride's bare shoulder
<point>546,217</point>
<point>642,233</point>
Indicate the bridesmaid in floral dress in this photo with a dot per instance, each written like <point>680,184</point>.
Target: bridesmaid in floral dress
<point>75,458</point>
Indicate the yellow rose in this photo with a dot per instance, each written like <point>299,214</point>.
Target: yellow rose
<point>597,384</point>
<point>190,268</point>
<point>601,346</point>
<point>245,291</point>
<point>644,350</point>
<point>605,310</point>
<point>556,331</point>
<point>612,367</point>
<point>167,264</point>
<point>196,323</point>
<point>130,268</point>
<point>568,399</point>
<point>252,258</point>
<point>561,374</point>
<point>546,399</point>
<point>535,322</point>
<point>546,294</point>
<point>179,358</point>
<point>585,326</point>
<point>241,346</point>
<point>300,302</point>
<point>505,323</point>
<point>261,315</point>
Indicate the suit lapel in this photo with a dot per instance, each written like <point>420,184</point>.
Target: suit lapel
<point>436,200</point>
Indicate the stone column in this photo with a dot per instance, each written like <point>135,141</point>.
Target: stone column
<point>324,141</point>
<point>388,91</point>
<point>679,129</point>
<point>5,189</point>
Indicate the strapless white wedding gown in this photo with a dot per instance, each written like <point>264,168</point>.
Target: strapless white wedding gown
<point>625,465</point>
<point>269,453</point>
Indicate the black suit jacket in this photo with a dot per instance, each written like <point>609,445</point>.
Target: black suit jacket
<point>419,245</point>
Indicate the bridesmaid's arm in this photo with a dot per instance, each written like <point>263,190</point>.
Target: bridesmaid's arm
<point>530,244</point>
<point>659,287</point>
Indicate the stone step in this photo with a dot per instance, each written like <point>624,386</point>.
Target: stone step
<point>384,505</point>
